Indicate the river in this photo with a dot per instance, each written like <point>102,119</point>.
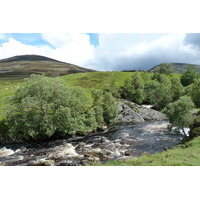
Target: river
<point>120,142</point>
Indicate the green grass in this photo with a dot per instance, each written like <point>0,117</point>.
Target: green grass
<point>89,81</point>
<point>187,155</point>
<point>98,80</point>
<point>7,89</point>
<point>183,155</point>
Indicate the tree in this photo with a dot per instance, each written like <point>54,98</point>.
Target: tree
<point>164,68</point>
<point>135,88</point>
<point>110,110</point>
<point>98,106</point>
<point>195,92</point>
<point>105,107</point>
<point>176,88</point>
<point>44,106</point>
<point>188,77</point>
<point>113,89</point>
<point>179,113</point>
<point>158,93</point>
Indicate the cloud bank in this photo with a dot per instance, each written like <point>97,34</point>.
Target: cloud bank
<point>114,52</point>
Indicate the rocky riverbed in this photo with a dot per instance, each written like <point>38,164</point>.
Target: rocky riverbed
<point>120,142</point>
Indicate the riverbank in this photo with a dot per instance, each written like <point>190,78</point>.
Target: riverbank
<point>119,143</point>
<point>186,154</point>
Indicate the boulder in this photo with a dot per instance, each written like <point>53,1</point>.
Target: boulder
<point>130,112</point>
<point>6,152</point>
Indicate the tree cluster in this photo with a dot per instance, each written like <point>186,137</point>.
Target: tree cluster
<point>45,106</point>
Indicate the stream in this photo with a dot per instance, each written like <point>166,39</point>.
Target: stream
<point>120,142</point>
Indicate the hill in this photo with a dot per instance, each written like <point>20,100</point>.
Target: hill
<point>180,67</point>
<point>25,65</point>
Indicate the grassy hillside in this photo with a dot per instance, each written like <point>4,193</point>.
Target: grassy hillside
<point>25,65</point>
<point>99,80</point>
<point>180,68</point>
<point>89,81</point>
<point>187,154</point>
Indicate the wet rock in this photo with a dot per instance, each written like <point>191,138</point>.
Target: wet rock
<point>6,152</point>
<point>127,115</point>
<point>130,112</point>
<point>22,149</point>
<point>65,151</point>
<point>42,162</point>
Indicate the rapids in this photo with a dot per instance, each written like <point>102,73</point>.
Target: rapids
<point>120,142</point>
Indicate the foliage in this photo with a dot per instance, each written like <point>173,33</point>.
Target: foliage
<point>44,106</point>
<point>176,88</point>
<point>188,77</point>
<point>135,88</point>
<point>179,113</point>
<point>163,68</point>
<point>113,89</point>
<point>195,129</point>
<point>105,107</point>
<point>109,108</point>
<point>98,106</point>
<point>158,93</point>
<point>195,92</point>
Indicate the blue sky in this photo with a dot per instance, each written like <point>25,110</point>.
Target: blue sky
<point>106,51</point>
<point>37,40</point>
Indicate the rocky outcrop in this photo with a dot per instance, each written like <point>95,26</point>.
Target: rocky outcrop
<point>130,112</point>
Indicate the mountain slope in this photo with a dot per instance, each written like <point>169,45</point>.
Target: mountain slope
<point>181,67</point>
<point>25,65</point>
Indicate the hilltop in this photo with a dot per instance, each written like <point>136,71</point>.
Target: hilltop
<point>24,65</point>
<point>180,67</point>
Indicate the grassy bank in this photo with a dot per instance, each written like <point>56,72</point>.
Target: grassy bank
<point>183,155</point>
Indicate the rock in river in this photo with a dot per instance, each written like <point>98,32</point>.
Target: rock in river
<point>130,112</point>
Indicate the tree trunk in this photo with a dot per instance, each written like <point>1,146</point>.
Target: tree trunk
<point>184,133</point>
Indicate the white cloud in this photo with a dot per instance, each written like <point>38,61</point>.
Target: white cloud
<point>14,47</point>
<point>75,48</point>
<point>71,48</point>
<point>141,51</point>
<point>115,51</point>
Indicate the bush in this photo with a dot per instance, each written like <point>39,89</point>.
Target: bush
<point>105,107</point>
<point>189,76</point>
<point>134,88</point>
<point>44,106</point>
<point>179,113</point>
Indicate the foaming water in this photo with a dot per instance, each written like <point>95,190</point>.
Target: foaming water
<point>122,141</point>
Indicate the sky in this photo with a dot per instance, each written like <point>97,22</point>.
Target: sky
<point>106,51</point>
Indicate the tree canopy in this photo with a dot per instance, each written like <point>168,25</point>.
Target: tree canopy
<point>179,113</point>
<point>189,76</point>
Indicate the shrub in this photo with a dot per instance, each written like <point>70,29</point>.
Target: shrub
<point>44,106</point>
<point>179,113</point>
<point>188,77</point>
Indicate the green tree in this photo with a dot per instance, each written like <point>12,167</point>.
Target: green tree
<point>113,89</point>
<point>188,77</point>
<point>110,110</point>
<point>158,93</point>
<point>164,68</point>
<point>98,106</point>
<point>44,106</point>
<point>195,92</point>
<point>176,88</point>
<point>135,88</point>
<point>179,113</point>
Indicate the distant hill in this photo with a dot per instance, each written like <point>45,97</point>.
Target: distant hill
<point>181,67</point>
<point>25,65</point>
